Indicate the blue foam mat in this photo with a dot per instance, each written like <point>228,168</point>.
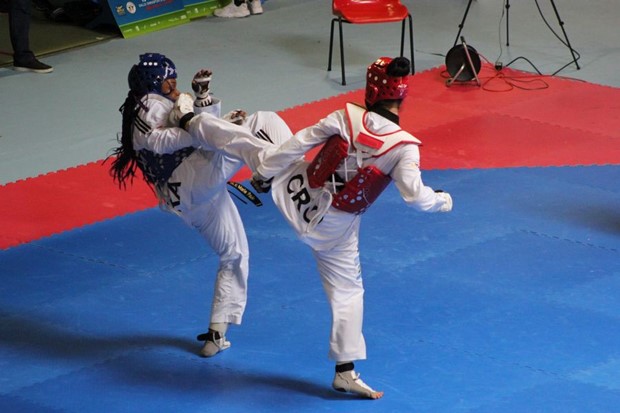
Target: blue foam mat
<point>509,303</point>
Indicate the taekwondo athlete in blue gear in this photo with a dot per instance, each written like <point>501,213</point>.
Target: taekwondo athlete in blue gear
<point>189,170</point>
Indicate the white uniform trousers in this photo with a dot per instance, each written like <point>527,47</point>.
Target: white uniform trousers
<point>333,236</point>
<point>340,271</point>
<point>206,205</point>
<point>219,223</point>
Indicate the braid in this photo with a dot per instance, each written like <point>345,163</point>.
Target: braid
<point>125,164</point>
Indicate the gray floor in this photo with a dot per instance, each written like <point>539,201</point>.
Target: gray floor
<point>275,61</point>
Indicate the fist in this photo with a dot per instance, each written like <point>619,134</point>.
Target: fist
<point>201,82</point>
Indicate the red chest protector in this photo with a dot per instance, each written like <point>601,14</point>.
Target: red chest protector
<point>365,187</point>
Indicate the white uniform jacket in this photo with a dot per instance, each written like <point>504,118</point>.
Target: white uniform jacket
<point>304,207</point>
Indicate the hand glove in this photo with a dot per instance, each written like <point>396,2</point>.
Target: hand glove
<point>200,86</point>
<point>447,206</point>
<point>236,116</point>
<point>260,184</point>
<point>182,111</point>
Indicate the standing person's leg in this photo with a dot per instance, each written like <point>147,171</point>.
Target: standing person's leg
<point>341,276</point>
<point>19,32</point>
<point>220,224</point>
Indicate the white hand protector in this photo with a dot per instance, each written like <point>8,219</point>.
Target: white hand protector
<point>200,86</point>
<point>236,116</point>
<point>447,206</point>
<point>184,106</point>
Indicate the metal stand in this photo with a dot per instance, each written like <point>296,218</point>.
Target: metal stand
<point>557,15</point>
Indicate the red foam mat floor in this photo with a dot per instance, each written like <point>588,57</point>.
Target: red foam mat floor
<point>542,121</point>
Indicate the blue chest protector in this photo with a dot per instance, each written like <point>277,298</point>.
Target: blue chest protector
<point>158,168</point>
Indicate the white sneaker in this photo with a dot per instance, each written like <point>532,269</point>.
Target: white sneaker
<point>232,11</point>
<point>256,7</point>
<point>349,381</point>
<point>214,343</point>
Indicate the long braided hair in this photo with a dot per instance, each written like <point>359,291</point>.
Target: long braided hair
<point>125,164</point>
<point>144,77</point>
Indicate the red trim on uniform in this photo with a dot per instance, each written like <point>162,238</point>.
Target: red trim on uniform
<point>395,146</point>
<point>369,141</point>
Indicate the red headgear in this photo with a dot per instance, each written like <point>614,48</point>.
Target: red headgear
<point>381,86</point>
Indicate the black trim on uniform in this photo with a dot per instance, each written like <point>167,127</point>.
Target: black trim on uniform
<point>261,134</point>
<point>142,125</point>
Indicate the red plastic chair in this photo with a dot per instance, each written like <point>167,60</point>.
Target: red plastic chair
<point>367,12</point>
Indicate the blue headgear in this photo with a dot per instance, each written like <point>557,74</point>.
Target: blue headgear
<point>149,74</point>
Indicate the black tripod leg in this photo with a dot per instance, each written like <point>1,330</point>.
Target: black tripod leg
<point>572,51</point>
<point>507,22</point>
<point>402,40</point>
<point>458,35</point>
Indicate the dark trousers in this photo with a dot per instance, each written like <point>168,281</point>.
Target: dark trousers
<point>19,28</point>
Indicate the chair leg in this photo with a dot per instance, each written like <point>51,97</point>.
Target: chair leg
<point>411,44</point>
<point>402,38</point>
<point>342,64</point>
<point>331,46</point>
<point>344,82</point>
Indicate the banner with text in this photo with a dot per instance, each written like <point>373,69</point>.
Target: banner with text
<point>137,17</point>
<point>202,8</point>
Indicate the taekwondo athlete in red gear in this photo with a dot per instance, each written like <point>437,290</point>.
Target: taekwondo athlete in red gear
<point>189,171</point>
<point>323,200</point>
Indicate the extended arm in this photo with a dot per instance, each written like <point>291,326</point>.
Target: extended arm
<point>408,179</point>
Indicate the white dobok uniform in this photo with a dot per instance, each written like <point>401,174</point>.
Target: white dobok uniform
<point>196,188</point>
<point>332,233</point>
